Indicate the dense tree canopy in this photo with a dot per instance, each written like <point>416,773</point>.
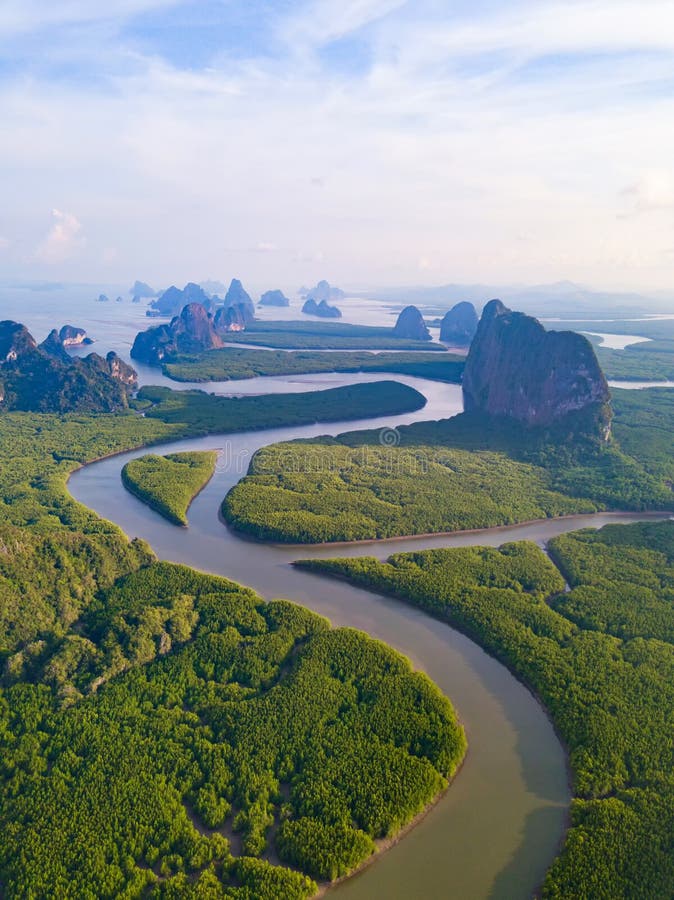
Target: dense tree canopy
<point>233,362</point>
<point>601,658</point>
<point>169,483</point>
<point>167,733</point>
<point>211,728</point>
<point>461,473</point>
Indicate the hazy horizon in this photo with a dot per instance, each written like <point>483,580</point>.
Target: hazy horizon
<point>370,142</point>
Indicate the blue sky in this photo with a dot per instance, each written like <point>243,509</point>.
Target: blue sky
<point>366,141</point>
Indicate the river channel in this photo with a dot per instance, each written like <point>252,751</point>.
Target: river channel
<point>497,829</point>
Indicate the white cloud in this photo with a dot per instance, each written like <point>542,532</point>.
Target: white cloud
<point>4,243</point>
<point>457,141</point>
<point>654,191</point>
<point>23,16</point>
<point>322,21</point>
<point>64,239</point>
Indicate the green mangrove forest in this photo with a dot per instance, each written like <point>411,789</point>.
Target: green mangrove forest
<point>455,474</point>
<point>168,733</point>
<point>169,483</point>
<point>600,658</point>
<point>326,336</point>
<point>235,363</point>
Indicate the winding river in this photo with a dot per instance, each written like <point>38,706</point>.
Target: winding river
<point>499,826</point>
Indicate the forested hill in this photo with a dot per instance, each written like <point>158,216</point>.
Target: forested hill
<point>45,379</point>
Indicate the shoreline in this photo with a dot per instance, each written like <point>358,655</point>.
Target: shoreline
<point>383,845</point>
<point>444,620</point>
<point>246,536</point>
<point>166,514</point>
<point>388,843</point>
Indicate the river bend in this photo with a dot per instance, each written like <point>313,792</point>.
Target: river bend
<point>497,829</point>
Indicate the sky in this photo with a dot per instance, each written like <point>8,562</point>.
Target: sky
<point>369,142</point>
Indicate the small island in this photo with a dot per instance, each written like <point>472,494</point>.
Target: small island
<point>322,309</point>
<point>411,326</point>
<point>71,336</point>
<point>170,483</point>
<point>274,298</point>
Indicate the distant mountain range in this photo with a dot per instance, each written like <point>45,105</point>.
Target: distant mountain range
<point>563,298</point>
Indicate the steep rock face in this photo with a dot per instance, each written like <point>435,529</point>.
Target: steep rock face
<point>53,345</point>
<point>71,336</point>
<point>231,318</point>
<point>15,341</point>
<point>322,309</point>
<point>153,345</point>
<point>459,325</point>
<point>119,370</point>
<point>274,298</point>
<point>237,296</point>
<point>411,325</point>
<point>516,368</point>
<point>193,331</point>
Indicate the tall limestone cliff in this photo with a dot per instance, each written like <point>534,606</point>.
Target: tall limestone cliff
<point>193,331</point>
<point>411,325</point>
<point>515,368</point>
<point>323,309</point>
<point>237,296</point>
<point>459,325</point>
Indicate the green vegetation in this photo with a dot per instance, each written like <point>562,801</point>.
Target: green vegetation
<point>310,493</point>
<point>207,722</point>
<point>621,578</point>
<point>167,733</point>
<point>326,336</point>
<point>460,473</point>
<point>49,573</point>
<point>169,483</point>
<point>653,361</point>
<point>657,329</point>
<point>232,362</point>
<point>644,429</point>
<point>600,658</point>
<point>203,413</point>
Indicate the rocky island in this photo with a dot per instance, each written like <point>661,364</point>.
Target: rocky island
<point>172,300</point>
<point>411,325</point>
<point>193,331</point>
<point>322,309</point>
<point>239,298</point>
<point>517,369</point>
<point>274,298</point>
<point>70,336</point>
<point>459,325</point>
